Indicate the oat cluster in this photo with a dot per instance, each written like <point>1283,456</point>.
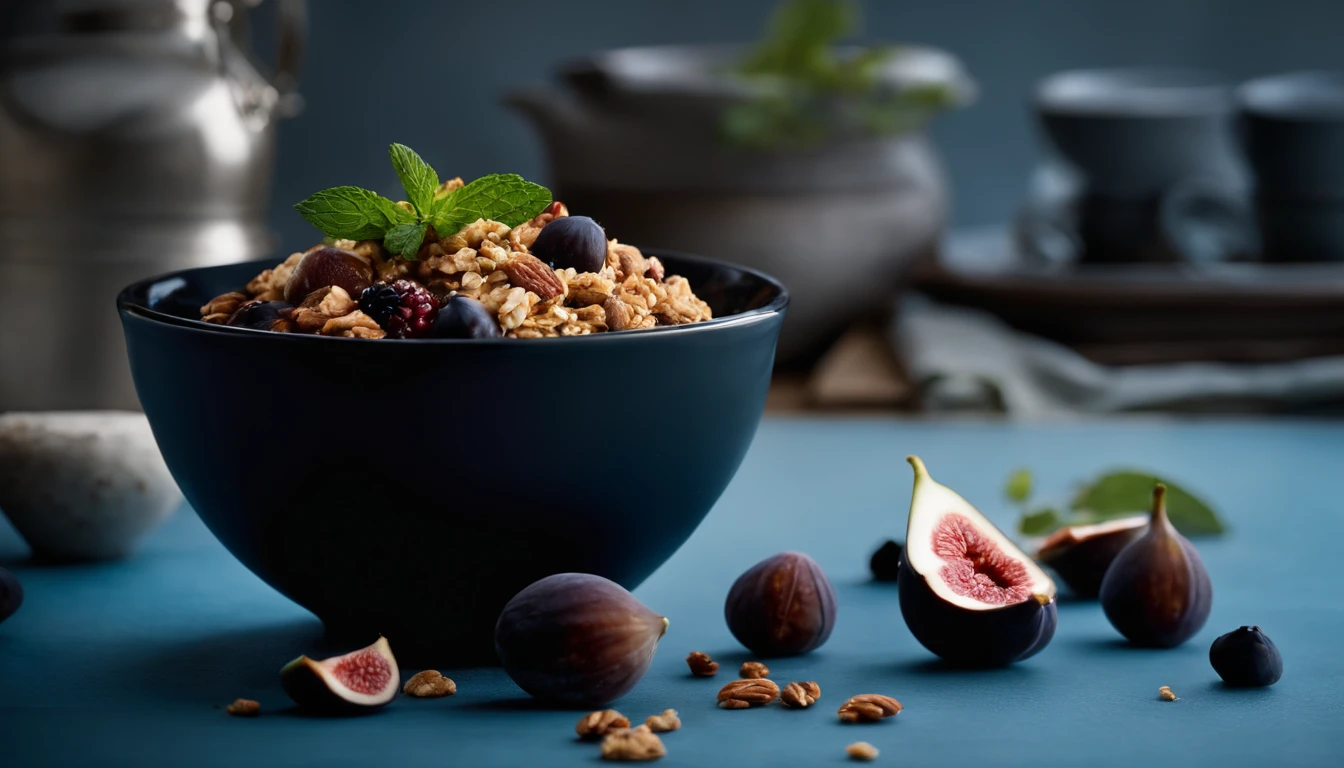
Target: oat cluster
<point>595,725</point>
<point>1164,693</point>
<point>861,750</point>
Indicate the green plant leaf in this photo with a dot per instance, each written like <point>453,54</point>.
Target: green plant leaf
<point>352,213</point>
<point>406,239</point>
<point>1018,487</point>
<point>502,197</point>
<point>417,177</point>
<point>1123,493</point>
<point>1039,522</point>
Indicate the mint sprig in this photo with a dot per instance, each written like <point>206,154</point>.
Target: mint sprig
<point>352,213</point>
<point>1116,494</point>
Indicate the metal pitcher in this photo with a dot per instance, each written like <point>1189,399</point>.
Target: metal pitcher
<point>136,137</point>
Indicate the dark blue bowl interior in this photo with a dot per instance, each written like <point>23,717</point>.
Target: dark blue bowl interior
<point>410,488</point>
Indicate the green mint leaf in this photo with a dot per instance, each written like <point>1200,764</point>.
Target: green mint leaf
<point>352,213</point>
<point>504,197</point>
<point>406,239</point>
<point>1018,487</point>
<point>1124,493</point>
<point>417,177</point>
<point>1039,522</point>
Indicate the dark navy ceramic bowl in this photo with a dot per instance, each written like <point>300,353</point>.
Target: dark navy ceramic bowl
<point>410,488</point>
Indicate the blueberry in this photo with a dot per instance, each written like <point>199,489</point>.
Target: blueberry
<point>572,241</point>
<point>258,314</point>
<point>463,318</point>
<point>1246,657</point>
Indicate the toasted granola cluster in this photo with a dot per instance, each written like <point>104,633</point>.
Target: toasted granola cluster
<point>486,262</point>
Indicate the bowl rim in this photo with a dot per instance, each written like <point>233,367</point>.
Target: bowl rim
<point>126,305</point>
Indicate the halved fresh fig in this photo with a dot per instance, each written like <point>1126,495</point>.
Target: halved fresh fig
<point>365,679</point>
<point>1080,554</point>
<point>967,592</point>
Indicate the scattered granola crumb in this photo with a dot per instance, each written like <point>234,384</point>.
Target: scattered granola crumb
<point>429,685</point>
<point>243,708</point>
<point>1164,693</point>
<point>868,708</point>
<point>595,725</point>
<point>800,695</point>
<point>861,750</point>
<point>668,721</point>
<point>753,670</point>
<point>633,744</point>
<point>741,694</point>
<point>701,665</point>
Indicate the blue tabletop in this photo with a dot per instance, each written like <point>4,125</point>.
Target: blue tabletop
<point>131,663</point>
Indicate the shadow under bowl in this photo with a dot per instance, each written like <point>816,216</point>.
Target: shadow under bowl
<point>410,488</point>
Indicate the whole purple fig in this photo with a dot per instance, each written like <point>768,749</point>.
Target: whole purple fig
<point>1157,592</point>
<point>579,638</point>
<point>782,606</point>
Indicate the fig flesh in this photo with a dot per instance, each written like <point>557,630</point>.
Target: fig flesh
<point>1157,593</point>
<point>322,266</point>
<point>782,606</point>
<point>11,594</point>
<point>577,638</point>
<point>1080,554</point>
<point>361,680</point>
<point>967,593</point>
<point>1246,657</point>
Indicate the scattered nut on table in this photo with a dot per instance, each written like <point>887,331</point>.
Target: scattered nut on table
<point>753,670</point>
<point>868,708</point>
<point>800,695</point>
<point>667,721</point>
<point>595,725</point>
<point>429,684</point>
<point>243,708</point>
<point>1164,693</point>
<point>741,694</point>
<point>702,665</point>
<point>861,750</point>
<point>633,744</point>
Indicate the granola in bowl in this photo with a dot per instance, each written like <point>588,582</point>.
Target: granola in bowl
<point>496,257</point>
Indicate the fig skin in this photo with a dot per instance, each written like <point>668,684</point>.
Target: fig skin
<point>309,684</point>
<point>966,638</point>
<point>782,606</point>
<point>322,266</point>
<point>577,638</point>
<point>886,561</point>
<point>11,594</point>
<point>1157,592</point>
<point>1081,563</point>
<point>1246,657</point>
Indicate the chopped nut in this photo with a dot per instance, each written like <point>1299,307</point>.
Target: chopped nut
<point>800,695</point>
<point>861,750</point>
<point>668,721</point>
<point>868,708</point>
<point>595,725</point>
<point>222,305</point>
<point>243,708</point>
<point>748,692</point>
<point>753,670</point>
<point>701,665</point>
<point>656,271</point>
<point>1164,693</point>
<point>532,274</point>
<point>429,684</point>
<point>354,325</point>
<point>633,744</point>
<point>619,317</point>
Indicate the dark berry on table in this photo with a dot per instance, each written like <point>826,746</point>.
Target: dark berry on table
<point>1246,657</point>
<point>572,241</point>
<point>260,315</point>
<point>886,561</point>
<point>464,318</point>
<point>379,301</point>
<point>414,315</point>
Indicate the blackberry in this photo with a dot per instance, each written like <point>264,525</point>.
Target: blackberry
<point>379,301</point>
<point>414,315</point>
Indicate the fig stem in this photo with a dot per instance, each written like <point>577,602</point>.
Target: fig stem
<point>1159,504</point>
<point>918,464</point>
<point>666,624</point>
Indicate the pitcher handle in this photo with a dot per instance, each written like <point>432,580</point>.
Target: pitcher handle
<point>292,27</point>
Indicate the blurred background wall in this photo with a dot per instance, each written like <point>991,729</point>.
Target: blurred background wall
<point>429,73</point>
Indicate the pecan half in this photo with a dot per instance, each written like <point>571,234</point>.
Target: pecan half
<point>753,670</point>
<point>430,684</point>
<point>530,273</point>
<point>800,695</point>
<point>633,744</point>
<point>668,721</point>
<point>701,665</point>
<point>741,694</point>
<point>868,708</point>
<point>861,750</point>
<point>220,308</point>
<point>595,725</point>
<point>243,708</point>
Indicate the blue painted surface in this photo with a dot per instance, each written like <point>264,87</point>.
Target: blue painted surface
<point>128,664</point>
